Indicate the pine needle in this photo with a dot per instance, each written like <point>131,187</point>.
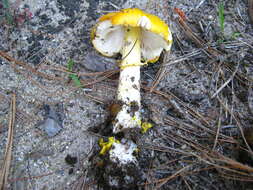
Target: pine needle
<point>4,172</point>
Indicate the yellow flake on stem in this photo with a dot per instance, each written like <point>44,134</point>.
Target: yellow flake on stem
<point>138,121</point>
<point>106,146</point>
<point>137,150</point>
<point>145,126</point>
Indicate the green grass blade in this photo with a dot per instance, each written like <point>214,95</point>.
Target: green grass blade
<point>76,80</point>
<point>6,4</point>
<point>7,14</point>
<point>221,16</point>
<point>70,65</point>
<point>73,77</point>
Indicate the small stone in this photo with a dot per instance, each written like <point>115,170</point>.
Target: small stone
<point>51,127</point>
<point>52,123</point>
<point>210,17</point>
<point>71,160</point>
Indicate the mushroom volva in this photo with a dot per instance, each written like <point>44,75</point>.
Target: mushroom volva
<point>140,38</point>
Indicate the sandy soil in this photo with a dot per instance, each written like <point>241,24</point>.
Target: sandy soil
<point>201,105</point>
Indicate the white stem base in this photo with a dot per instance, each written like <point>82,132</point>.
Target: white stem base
<point>129,94</point>
<point>123,153</point>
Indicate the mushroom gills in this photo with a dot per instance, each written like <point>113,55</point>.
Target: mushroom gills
<point>108,39</point>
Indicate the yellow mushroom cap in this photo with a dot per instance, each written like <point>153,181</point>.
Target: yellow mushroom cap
<point>108,34</point>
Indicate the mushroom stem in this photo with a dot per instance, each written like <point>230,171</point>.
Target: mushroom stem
<point>129,82</point>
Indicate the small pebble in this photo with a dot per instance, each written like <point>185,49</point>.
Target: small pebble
<point>210,17</point>
<point>183,146</point>
<point>51,127</point>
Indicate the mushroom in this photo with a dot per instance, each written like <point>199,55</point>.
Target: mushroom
<point>140,38</point>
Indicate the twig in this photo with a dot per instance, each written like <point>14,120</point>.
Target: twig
<point>27,67</point>
<point>226,83</point>
<point>7,156</point>
<point>65,70</point>
<point>185,181</point>
<point>218,130</point>
<point>250,5</point>
<point>239,126</point>
<point>201,2</point>
<point>176,174</point>
<point>182,58</point>
<point>30,177</point>
<point>211,52</point>
<point>160,74</point>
